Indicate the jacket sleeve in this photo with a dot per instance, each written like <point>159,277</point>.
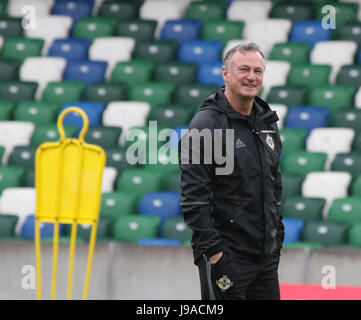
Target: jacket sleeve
<point>278,195</point>
<point>197,185</point>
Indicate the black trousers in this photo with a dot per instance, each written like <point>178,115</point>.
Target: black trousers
<point>239,278</point>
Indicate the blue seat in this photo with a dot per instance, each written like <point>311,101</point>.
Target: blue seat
<point>176,136</point>
<point>86,71</point>
<point>293,229</point>
<point>163,204</point>
<point>94,111</point>
<point>76,9</point>
<point>310,31</point>
<point>159,242</point>
<point>359,57</point>
<point>46,229</point>
<point>71,49</point>
<point>307,117</point>
<point>181,30</point>
<point>200,51</point>
<point>211,73</point>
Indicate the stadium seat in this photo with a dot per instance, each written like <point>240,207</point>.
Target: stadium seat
<point>281,110</point>
<point>108,180</point>
<point>23,156</point>
<point>331,141</point>
<point>176,72</point>
<point>139,30</point>
<point>60,92</point>
<point>275,75</point>
<point>309,75</point>
<point>71,49</point>
<point>162,204</point>
<point>42,70</point>
<point>153,93</point>
<point>6,109</point>
<point>325,232</point>
<point>211,74</point>
<point>287,95</point>
<point>349,75</point>
<point>158,242</point>
<point>10,177</point>
<point>17,91</point>
<point>86,71</point>
<point>125,10</point>
<point>328,185</point>
<point>293,139</point>
<point>170,115</point>
<point>303,162</point>
<point>10,70</point>
<point>50,28</point>
<point>75,9</point>
<point>106,137</point>
<point>14,133</point>
<point>206,10</point>
<point>348,118</point>
<point>293,229</point>
<point>354,237</point>
<point>104,92</point>
<point>49,132</point>
<point>294,11</point>
<point>192,95</point>
<point>7,225</point>
<point>157,50</point>
<point>111,50</point>
<point>37,112</point>
<point>351,32</point>
<point>307,117</point>
<point>132,228</point>
<point>132,72</point>
<point>20,48</point>
<point>358,98</point>
<point>349,162</point>
<point>116,204</point>
<point>171,182</point>
<point>293,52</point>
<point>356,186</point>
<point>10,27</point>
<point>346,210</point>
<point>40,7</point>
<point>310,31</point>
<point>175,228</point>
<point>249,10</point>
<point>335,53</point>
<point>200,51</point>
<point>222,30</point>
<point>104,230</point>
<point>307,209</point>
<point>181,30</point>
<point>116,157</point>
<point>46,229</point>
<point>94,27</point>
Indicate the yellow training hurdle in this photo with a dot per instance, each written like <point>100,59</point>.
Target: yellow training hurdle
<point>68,178</point>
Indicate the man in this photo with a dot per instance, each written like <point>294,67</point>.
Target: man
<point>237,228</point>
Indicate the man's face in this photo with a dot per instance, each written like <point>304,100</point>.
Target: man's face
<point>245,77</point>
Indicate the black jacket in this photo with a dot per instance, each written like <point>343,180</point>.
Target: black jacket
<point>238,211</point>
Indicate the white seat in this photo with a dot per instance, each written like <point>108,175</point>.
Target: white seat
<point>330,141</point>
<point>42,70</point>
<point>275,75</point>
<point>111,50</point>
<point>14,133</point>
<point>248,10</point>
<point>19,201</point>
<point>16,8</point>
<point>109,176</point>
<point>267,32</point>
<point>328,185</point>
<point>50,28</point>
<point>281,110</point>
<point>335,53</point>
<point>126,114</point>
<point>358,99</point>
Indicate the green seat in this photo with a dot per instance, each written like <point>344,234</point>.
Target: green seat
<point>206,10</point>
<point>328,233</point>
<point>121,10</point>
<point>222,30</point>
<point>288,95</point>
<point>354,236</point>
<point>170,115</point>
<point>94,27</point>
<point>166,161</point>
<point>154,93</point>
<point>17,91</point>
<point>139,30</point>
<point>10,176</point>
<point>10,27</point>
<point>37,112</point>
<point>356,144</point>
<point>309,75</point>
<point>176,72</point>
<point>105,137</point>
<point>175,228</point>
<point>104,230</point>
<point>116,157</point>
<point>23,156</point>
<point>3,6</point>
<point>20,48</point>
<point>61,92</point>
<point>29,178</point>
<point>9,70</point>
<point>303,162</point>
<point>307,209</point>
<point>293,52</point>
<point>171,182</point>
<point>351,32</point>
<point>7,225</point>
<point>132,228</point>
<point>105,92</point>
<point>293,139</point>
<point>294,11</point>
<point>348,118</point>
<point>347,210</point>
<point>356,186</point>
<point>193,95</point>
<point>156,50</point>
<point>349,162</point>
<point>291,185</point>
<point>2,151</point>
<point>350,75</point>
<point>133,72</point>
<point>6,109</point>
<point>116,204</point>
<point>50,133</point>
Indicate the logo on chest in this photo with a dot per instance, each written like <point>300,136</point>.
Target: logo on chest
<point>270,142</point>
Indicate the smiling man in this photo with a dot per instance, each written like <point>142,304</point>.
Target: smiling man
<point>235,219</point>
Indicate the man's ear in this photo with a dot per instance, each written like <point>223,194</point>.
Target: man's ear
<point>225,74</point>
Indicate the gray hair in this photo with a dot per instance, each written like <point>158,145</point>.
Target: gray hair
<point>250,46</point>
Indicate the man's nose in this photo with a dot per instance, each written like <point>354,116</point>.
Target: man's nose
<point>251,75</point>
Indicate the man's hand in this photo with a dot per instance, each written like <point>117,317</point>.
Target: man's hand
<point>214,259</point>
